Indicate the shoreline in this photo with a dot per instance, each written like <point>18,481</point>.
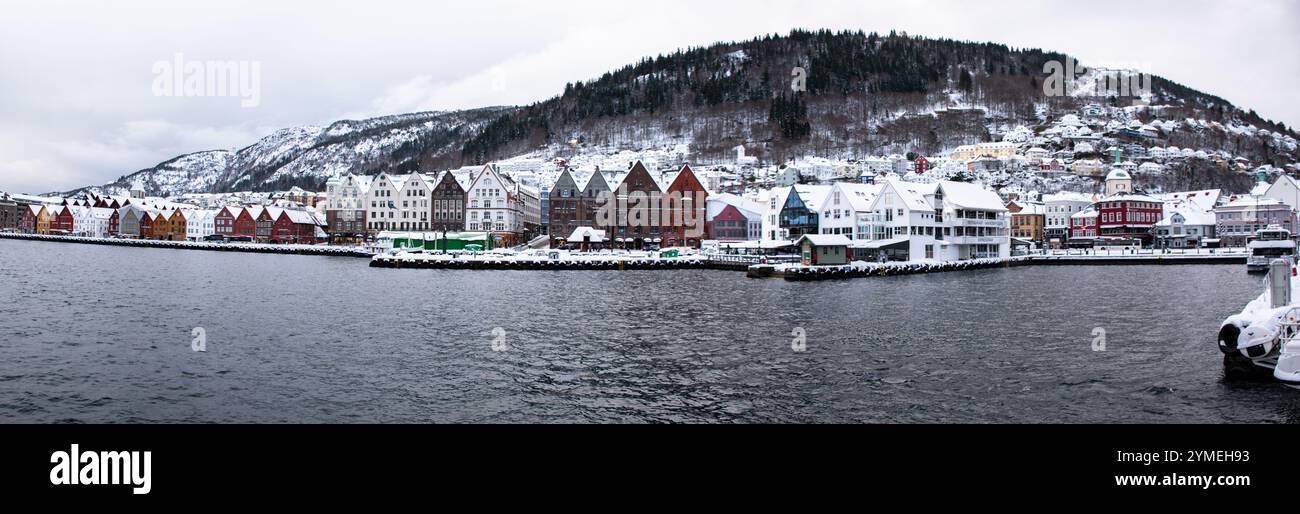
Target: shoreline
<point>793,272</point>
<point>334,251</point>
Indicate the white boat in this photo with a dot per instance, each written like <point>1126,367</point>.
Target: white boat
<point>1269,244</point>
<point>1268,348</point>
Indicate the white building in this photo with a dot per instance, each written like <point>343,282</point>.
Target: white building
<point>946,221</point>
<point>496,204</point>
<point>200,223</point>
<point>383,201</point>
<point>90,221</point>
<point>1285,190</point>
<point>846,207</point>
<point>413,203</point>
<point>1185,225</point>
<point>1058,209</point>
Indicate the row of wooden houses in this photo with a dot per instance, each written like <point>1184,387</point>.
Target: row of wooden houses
<point>140,220</point>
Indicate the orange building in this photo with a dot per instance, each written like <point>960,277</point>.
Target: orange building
<point>1028,220</point>
<point>161,226</point>
<point>177,225</point>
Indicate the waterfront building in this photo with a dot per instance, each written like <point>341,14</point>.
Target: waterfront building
<point>497,205</point>
<point>200,224</point>
<point>1237,220</point>
<point>567,212</point>
<point>1185,225</point>
<point>845,208</point>
<point>383,198</point>
<point>448,203</point>
<point>1028,220</point>
<point>345,208</point>
<point>246,225</point>
<point>296,226</point>
<point>10,213</point>
<point>1286,190</point>
<point>1083,228</point>
<point>412,202</point>
<point>177,225</point>
<point>732,218</point>
<point>824,249</point>
<point>223,222</point>
<point>1057,210</point>
<point>61,220</point>
<point>161,226</point>
<point>684,210</point>
<point>1129,216</point>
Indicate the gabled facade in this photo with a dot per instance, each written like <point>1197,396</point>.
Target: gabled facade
<point>413,202</point>
<point>346,208</point>
<point>685,210</point>
<point>177,225</point>
<point>246,222</point>
<point>634,216</point>
<point>293,226</point>
<point>448,204</point>
<point>266,223</point>
<point>62,221</point>
<point>162,228</point>
<point>223,222</point>
<point>799,215</point>
<point>495,205</point>
<point>733,219</point>
<point>383,200</point>
<point>200,224</point>
<point>566,209</point>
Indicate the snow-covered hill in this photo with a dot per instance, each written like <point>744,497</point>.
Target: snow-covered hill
<point>307,156</point>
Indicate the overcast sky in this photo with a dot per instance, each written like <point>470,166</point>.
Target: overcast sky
<point>77,79</point>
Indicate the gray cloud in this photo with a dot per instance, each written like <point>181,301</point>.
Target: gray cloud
<point>77,107</point>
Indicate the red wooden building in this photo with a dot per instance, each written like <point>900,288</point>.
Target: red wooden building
<point>295,226</point>
<point>61,221</point>
<point>684,210</point>
<point>729,225</point>
<point>266,218</point>
<point>146,225</point>
<point>223,222</point>
<point>246,223</point>
<point>1129,216</point>
<point>114,223</point>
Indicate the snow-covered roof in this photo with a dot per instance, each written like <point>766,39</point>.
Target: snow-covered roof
<point>1089,213</point>
<point>1191,214</point>
<point>1204,200</point>
<point>825,240</point>
<point>301,217</point>
<point>913,194</point>
<point>1066,196</point>
<point>971,196</point>
<point>1129,197</point>
<point>1118,174</point>
<point>582,233</point>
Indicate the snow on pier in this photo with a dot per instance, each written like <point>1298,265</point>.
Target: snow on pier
<point>536,262</point>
